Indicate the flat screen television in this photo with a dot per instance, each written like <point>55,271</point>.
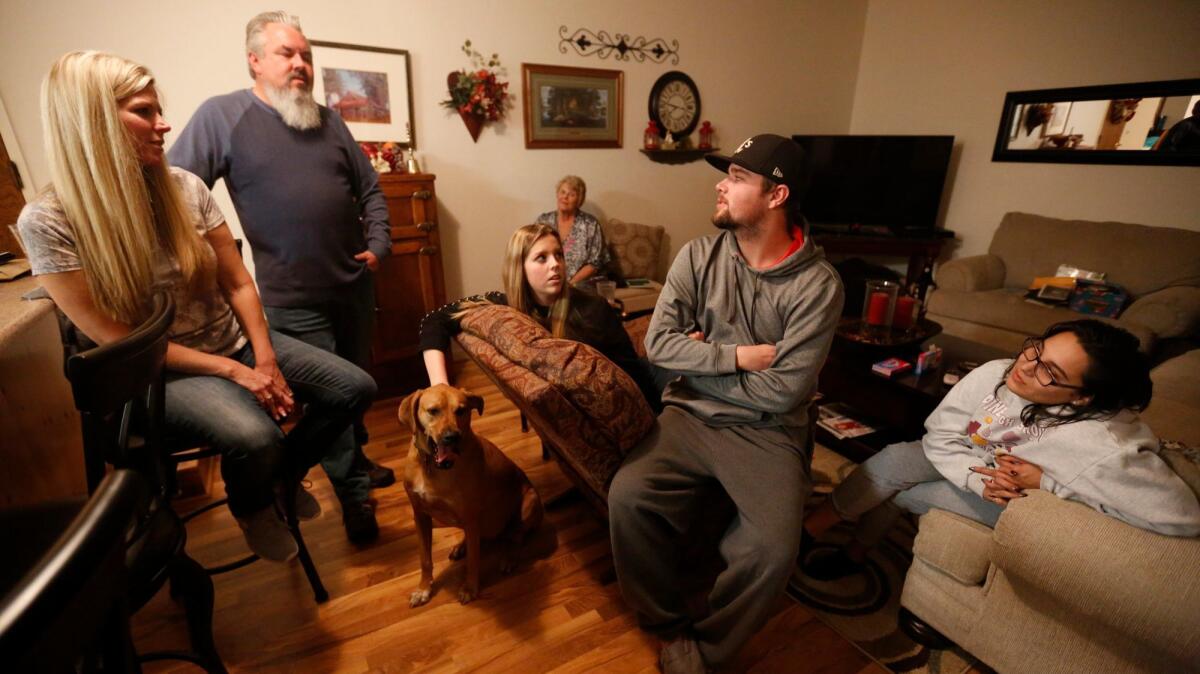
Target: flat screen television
<point>875,184</point>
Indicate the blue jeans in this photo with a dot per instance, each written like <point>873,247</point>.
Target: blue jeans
<point>900,479</point>
<point>342,326</point>
<point>254,450</point>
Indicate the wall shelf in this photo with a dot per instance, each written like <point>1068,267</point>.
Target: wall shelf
<point>676,156</point>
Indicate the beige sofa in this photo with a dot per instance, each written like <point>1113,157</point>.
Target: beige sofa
<point>982,297</point>
<point>1058,587</point>
<point>636,253</point>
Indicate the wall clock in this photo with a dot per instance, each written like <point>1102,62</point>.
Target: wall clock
<point>675,104</point>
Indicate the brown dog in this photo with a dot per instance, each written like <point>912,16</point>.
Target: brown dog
<point>459,479</point>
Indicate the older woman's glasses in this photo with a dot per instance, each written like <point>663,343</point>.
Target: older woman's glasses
<point>1032,352</point>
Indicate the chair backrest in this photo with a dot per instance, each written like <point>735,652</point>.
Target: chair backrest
<point>72,602</point>
<point>113,382</point>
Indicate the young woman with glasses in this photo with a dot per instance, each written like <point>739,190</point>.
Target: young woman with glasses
<point>1061,416</point>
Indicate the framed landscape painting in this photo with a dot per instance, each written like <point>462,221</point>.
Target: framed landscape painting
<point>370,87</point>
<point>572,107</point>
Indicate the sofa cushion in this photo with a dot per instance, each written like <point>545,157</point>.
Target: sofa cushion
<point>1172,411</point>
<point>1007,309</point>
<point>955,545</point>
<point>1140,258</point>
<point>577,399</point>
<point>635,248</point>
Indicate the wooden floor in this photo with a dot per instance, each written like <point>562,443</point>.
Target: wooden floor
<point>561,610</point>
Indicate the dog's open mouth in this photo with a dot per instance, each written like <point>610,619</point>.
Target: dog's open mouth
<point>444,456</point>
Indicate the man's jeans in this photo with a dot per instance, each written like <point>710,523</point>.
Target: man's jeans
<point>255,451</point>
<point>342,326</point>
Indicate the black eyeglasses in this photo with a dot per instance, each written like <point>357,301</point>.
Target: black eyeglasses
<point>1032,351</point>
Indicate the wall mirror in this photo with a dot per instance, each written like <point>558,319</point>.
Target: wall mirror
<point>1141,123</point>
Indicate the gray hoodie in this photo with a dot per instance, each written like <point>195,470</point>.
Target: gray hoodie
<point>1110,465</point>
<point>794,305</point>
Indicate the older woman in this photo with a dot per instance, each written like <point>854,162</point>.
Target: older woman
<point>582,241</point>
<point>118,223</point>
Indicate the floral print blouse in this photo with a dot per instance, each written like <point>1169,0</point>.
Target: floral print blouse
<point>584,246</point>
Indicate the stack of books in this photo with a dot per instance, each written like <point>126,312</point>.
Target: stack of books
<point>841,422</point>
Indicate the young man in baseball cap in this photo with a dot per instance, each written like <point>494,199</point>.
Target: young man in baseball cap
<point>746,317</point>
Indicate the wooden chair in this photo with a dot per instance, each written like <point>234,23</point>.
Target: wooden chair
<point>68,608</point>
<point>116,387</point>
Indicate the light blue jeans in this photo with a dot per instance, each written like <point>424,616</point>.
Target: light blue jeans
<point>255,452</point>
<point>342,326</point>
<point>900,479</point>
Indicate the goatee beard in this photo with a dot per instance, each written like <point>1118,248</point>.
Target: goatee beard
<point>296,106</point>
<point>722,220</point>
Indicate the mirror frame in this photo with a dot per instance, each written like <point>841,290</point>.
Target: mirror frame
<point>1164,88</point>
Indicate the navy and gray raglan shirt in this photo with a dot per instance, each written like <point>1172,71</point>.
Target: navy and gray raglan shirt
<point>308,201</point>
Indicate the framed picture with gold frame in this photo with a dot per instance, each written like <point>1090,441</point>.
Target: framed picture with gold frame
<point>569,107</point>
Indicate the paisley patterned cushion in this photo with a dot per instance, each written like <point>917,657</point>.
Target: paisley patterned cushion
<point>575,398</point>
<point>635,248</point>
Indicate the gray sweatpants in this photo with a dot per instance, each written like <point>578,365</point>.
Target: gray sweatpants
<point>900,479</point>
<point>653,497</point>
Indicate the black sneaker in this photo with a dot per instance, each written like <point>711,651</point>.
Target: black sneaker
<point>380,476</point>
<point>359,520</point>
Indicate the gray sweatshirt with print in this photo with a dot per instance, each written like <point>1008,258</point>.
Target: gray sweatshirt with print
<point>1111,465</point>
<point>794,305</point>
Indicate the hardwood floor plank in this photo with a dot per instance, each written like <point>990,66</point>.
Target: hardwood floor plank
<point>559,612</point>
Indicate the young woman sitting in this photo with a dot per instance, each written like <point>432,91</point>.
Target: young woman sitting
<point>1061,417</point>
<point>116,225</point>
<point>535,283</point>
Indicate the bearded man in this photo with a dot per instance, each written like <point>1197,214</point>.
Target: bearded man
<point>310,206</point>
<point>746,317</point>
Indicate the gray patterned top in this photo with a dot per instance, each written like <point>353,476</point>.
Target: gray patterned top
<point>206,324</point>
<point>584,246</point>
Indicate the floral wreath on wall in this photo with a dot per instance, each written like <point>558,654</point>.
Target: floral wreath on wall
<point>478,94</point>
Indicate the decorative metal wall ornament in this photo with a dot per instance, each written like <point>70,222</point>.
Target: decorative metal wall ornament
<point>598,43</point>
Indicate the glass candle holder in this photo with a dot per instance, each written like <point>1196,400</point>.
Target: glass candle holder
<point>906,312</point>
<point>879,304</point>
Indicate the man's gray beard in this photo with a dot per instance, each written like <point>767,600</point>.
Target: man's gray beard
<point>296,106</point>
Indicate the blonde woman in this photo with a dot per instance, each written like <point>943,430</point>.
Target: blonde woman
<point>534,278</point>
<point>115,225</point>
<point>584,249</point>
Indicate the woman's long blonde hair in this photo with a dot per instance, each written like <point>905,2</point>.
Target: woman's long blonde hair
<point>121,212</point>
<point>516,285</point>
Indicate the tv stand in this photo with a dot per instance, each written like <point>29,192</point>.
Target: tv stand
<point>922,251</point>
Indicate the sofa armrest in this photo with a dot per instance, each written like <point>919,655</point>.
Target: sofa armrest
<point>1170,312</point>
<point>1139,584</point>
<point>954,545</point>
<point>977,272</point>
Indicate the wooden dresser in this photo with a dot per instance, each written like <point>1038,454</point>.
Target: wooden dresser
<point>409,283</point>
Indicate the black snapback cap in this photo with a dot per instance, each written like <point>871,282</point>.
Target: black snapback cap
<point>774,157</point>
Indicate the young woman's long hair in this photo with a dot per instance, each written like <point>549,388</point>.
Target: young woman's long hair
<point>516,285</point>
<point>122,213</point>
<point>1117,376</point>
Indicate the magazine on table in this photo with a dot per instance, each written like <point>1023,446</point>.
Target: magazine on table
<point>840,420</point>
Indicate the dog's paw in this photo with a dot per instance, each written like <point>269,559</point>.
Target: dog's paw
<point>459,551</point>
<point>465,595</point>
<point>419,598</point>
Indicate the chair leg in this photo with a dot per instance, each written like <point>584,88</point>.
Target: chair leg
<point>920,631</point>
<point>310,570</point>
<point>193,585</point>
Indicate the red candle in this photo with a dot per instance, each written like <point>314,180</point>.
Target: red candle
<point>903,318</point>
<point>877,309</point>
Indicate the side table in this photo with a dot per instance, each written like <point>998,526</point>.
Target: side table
<point>897,406</point>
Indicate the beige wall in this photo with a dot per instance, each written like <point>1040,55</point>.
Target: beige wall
<point>943,66</point>
<point>764,65</point>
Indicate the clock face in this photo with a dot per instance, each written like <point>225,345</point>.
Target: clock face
<point>675,104</point>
